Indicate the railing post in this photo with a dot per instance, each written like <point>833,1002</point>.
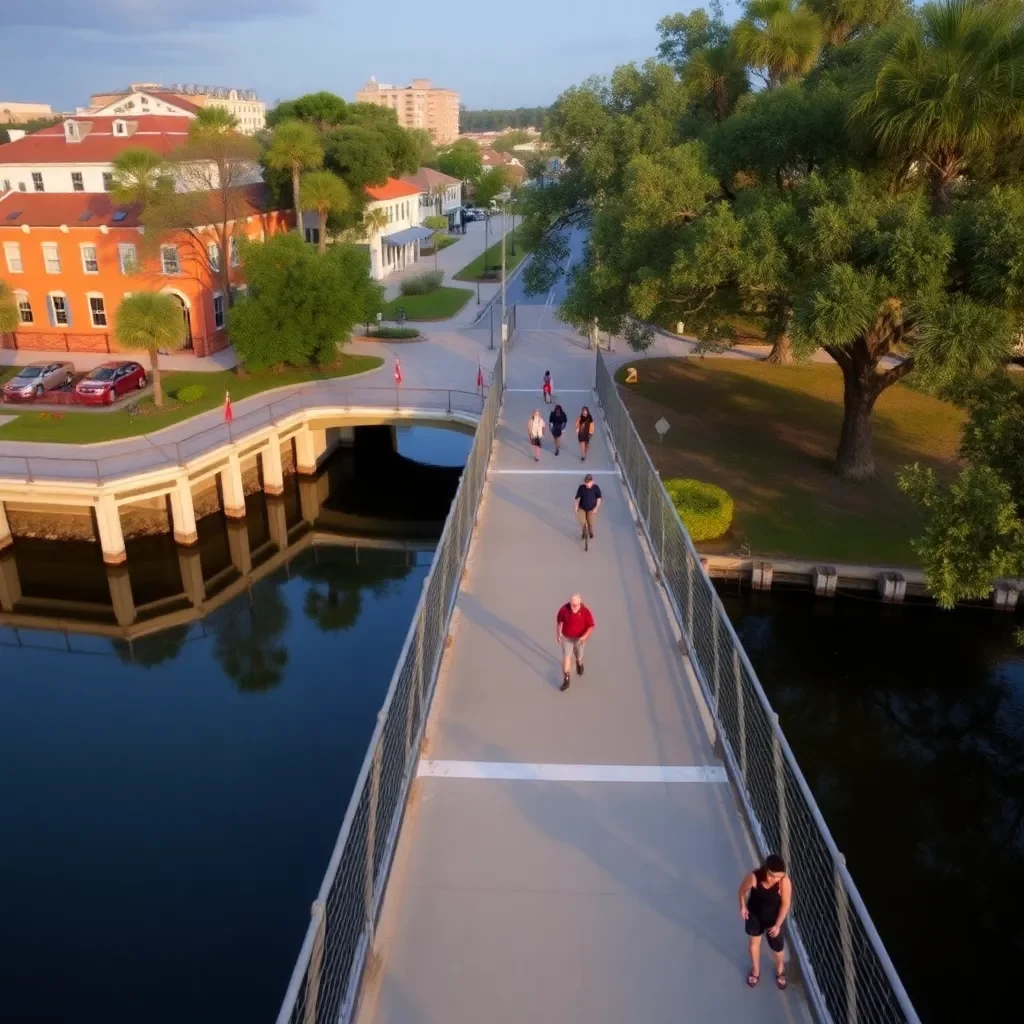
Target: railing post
<point>689,596</point>
<point>371,845</point>
<point>715,681</point>
<point>846,943</point>
<point>780,789</point>
<point>738,673</point>
<point>316,959</point>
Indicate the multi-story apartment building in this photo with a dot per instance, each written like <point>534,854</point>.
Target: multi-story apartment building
<point>249,110</point>
<point>418,105</point>
<point>71,258</point>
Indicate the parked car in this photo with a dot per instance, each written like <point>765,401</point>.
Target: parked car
<point>474,213</point>
<point>32,380</point>
<point>107,383</point>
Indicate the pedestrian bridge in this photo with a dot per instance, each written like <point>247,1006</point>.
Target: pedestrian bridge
<point>515,853</point>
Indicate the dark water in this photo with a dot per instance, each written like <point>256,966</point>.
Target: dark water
<point>168,805</point>
<point>909,725</point>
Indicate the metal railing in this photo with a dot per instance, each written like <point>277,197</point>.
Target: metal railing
<point>145,453</point>
<point>849,975</point>
<point>325,982</point>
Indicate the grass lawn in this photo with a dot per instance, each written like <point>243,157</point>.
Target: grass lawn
<point>68,424</point>
<point>473,270</point>
<point>440,304</point>
<point>446,240</point>
<point>767,434</point>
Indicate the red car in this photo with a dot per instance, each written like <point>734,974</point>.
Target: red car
<point>107,383</point>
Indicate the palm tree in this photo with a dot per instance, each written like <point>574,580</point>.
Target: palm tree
<point>718,74</point>
<point>139,178</point>
<point>438,225</point>
<point>295,147</point>
<point>779,39</point>
<point>8,309</point>
<point>374,220</point>
<point>326,193</point>
<point>150,321</point>
<point>212,121</point>
<point>844,19</point>
<point>439,192</point>
<point>944,87</point>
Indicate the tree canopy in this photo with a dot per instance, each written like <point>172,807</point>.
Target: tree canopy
<point>461,160</point>
<point>302,304</point>
<point>499,120</point>
<point>151,321</point>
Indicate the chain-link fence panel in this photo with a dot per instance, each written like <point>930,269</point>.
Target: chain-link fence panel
<point>325,982</point>
<point>850,978</point>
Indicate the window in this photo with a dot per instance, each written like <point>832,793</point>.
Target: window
<point>37,181</point>
<point>126,257</point>
<point>12,251</point>
<point>51,257</point>
<point>120,128</point>
<point>234,251</point>
<point>77,185</point>
<point>108,180</point>
<point>218,311</point>
<point>213,254</point>
<point>57,309</point>
<point>169,259</point>
<point>90,261</point>
<point>24,308</point>
<point>313,236</point>
<point>21,187</point>
<point>7,184</point>
<point>97,312</point>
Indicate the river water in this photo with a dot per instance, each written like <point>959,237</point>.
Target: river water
<point>908,723</point>
<point>168,806</point>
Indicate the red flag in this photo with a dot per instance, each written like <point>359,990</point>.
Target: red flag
<point>479,377</point>
<point>228,414</point>
<point>398,373</point>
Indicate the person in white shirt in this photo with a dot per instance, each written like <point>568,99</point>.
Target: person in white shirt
<point>535,431</point>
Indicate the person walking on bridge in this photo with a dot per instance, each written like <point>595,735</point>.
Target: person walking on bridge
<point>766,895</point>
<point>547,387</point>
<point>557,420</point>
<point>588,501</point>
<point>573,626</point>
<point>584,431</point>
<point>535,431</point>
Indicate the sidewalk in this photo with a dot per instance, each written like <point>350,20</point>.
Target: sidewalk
<point>183,361</point>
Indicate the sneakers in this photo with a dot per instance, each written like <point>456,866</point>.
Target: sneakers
<point>556,451</point>
<point>565,682</point>
<point>579,667</point>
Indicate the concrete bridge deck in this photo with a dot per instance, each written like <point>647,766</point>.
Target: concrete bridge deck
<point>540,874</point>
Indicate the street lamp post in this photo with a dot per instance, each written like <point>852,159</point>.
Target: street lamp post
<point>503,321</point>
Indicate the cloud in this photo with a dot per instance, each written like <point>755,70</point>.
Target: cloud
<point>130,17</point>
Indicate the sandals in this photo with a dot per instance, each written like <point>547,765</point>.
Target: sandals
<point>780,981</point>
<point>753,979</point>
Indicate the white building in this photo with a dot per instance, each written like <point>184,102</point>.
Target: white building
<point>146,97</point>
<point>439,194</point>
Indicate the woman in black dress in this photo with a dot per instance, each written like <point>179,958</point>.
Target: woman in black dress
<point>584,431</point>
<point>766,895</point>
<point>557,421</point>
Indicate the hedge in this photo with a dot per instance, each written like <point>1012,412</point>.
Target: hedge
<point>190,394</point>
<point>421,284</point>
<point>706,510</point>
<point>395,333</point>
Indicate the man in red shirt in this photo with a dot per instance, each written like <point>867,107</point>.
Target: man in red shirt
<point>573,626</point>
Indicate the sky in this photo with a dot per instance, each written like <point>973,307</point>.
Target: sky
<point>494,55</point>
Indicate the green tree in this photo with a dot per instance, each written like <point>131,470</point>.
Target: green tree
<point>358,156</point>
<point>843,20</point>
<point>323,110</point>
<point>302,304</point>
<point>684,35</point>
<point>944,89</point>
<point>140,178</point>
<point>499,120</point>
<point>717,76</point>
<point>461,160</point>
<point>426,151</point>
<point>508,141</point>
<point>438,226</point>
<point>151,321</point>
<point>779,39</point>
<point>8,309</point>
<point>212,121</point>
<point>374,220</point>
<point>325,193</point>
<point>295,147</point>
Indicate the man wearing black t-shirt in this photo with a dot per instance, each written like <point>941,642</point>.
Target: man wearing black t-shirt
<point>588,501</point>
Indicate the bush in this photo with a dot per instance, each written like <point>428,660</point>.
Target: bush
<point>395,333</point>
<point>706,510</point>
<point>190,394</point>
<point>423,283</point>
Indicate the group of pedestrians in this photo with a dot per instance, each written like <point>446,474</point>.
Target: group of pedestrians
<point>557,422</point>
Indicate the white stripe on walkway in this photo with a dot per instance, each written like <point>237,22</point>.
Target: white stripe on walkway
<point>518,772</point>
<point>559,391</point>
<point>556,472</point>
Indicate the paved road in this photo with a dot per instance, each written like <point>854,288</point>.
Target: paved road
<point>515,896</point>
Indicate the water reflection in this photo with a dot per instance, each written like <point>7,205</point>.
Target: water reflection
<point>909,724</point>
<point>171,795</point>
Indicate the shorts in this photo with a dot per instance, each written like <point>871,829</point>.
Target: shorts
<point>571,647</point>
<point>583,516</point>
<point>583,438</point>
<point>754,926</point>
<point>535,441</point>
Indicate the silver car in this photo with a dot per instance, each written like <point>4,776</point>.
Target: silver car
<point>32,380</point>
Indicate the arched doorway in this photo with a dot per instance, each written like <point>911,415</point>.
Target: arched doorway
<point>187,318</point>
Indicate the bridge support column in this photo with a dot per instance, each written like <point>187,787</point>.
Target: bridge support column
<point>108,529</point>
<point>231,489</point>
<point>121,596</point>
<point>277,521</point>
<point>183,513</point>
<point>191,569</point>
<point>5,529</point>
<point>309,499</point>
<point>306,451</point>
<point>10,582</point>
<point>1005,596</point>
<point>892,586</point>
<point>825,580</point>
<point>273,472</point>
<point>238,545</point>
<point>761,576</point>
